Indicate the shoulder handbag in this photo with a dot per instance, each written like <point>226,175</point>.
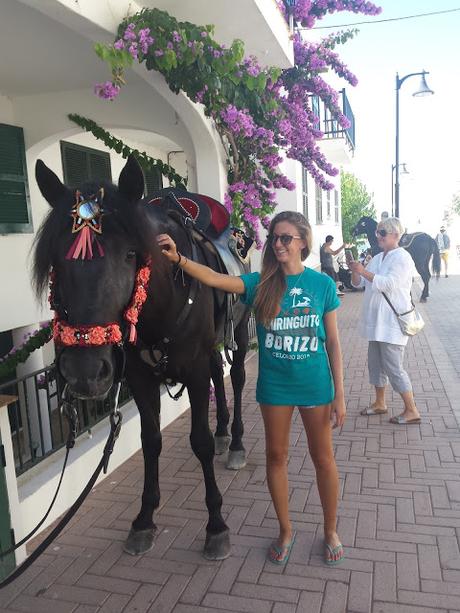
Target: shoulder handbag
<point>411,321</point>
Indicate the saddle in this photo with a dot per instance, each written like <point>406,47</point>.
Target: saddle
<point>212,221</point>
<point>406,240</point>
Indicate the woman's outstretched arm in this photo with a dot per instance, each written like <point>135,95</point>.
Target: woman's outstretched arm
<point>204,274</point>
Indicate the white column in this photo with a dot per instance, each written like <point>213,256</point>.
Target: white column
<point>33,363</point>
<point>11,482</point>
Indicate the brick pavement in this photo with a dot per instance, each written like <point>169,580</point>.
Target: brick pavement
<point>399,510</point>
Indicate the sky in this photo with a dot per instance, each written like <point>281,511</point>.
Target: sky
<point>429,125</point>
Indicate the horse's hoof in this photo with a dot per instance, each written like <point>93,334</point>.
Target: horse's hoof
<point>139,541</point>
<point>236,459</point>
<point>217,546</point>
<point>221,443</point>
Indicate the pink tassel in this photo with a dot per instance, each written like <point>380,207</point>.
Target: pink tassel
<point>132,334</point>
<point>82,246</point>
<point>99,248</point>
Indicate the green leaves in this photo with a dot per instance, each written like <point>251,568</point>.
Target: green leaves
<point>117,145</point>
<point>356,203</point>
<point>115,57</point>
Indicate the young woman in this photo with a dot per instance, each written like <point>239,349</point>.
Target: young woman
<point>300,364</point>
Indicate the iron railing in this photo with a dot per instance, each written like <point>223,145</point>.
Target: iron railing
<point>330,126</point>
<point>38,428</point>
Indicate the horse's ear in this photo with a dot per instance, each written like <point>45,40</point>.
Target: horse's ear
<point>50,185</point>
<point>131,181</point>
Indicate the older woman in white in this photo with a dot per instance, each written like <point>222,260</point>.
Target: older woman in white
<point>390,272</point>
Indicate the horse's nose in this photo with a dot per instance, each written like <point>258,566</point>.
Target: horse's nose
<point>88,372</point>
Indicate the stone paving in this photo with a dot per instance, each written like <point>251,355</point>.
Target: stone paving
<point>399,510</point>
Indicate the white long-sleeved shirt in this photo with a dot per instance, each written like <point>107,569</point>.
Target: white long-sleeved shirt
<point>393,275</point>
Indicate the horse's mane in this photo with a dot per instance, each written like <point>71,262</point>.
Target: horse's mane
<point>121,217</point>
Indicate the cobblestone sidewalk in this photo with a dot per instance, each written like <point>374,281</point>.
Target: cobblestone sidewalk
<point>399,510</point>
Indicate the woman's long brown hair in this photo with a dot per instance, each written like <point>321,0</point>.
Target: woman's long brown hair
<point>272,283</point>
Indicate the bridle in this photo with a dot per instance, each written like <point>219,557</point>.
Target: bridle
<point>111,333</point>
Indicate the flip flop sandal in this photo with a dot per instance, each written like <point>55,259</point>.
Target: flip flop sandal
<point>401,421</point>
<point>373,411</point>
<point>280,555</point>
<point>331,552</point>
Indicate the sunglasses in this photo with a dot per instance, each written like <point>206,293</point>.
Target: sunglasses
<point>286,239</point>
<point>382,233</point>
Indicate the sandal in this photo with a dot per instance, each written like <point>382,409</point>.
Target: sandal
<point>331,552</point>
<point>373,411</point>
<point>280,555</point>
<point>400,420</point>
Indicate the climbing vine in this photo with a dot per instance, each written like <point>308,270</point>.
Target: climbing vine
<point>19,354</point>
<point>261,114</point>
<point>117,145</point>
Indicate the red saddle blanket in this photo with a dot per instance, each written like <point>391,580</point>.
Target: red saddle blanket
<point>206,212</point>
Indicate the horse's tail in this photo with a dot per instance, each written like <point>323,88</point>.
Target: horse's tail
<point>436,264</point>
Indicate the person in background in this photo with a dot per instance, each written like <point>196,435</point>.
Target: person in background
<point>326,254</point>
<point>300,364</point>
<point>388,272</point>
<point>443,242</point>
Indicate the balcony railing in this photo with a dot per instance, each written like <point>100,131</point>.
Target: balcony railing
<point>329,126</point>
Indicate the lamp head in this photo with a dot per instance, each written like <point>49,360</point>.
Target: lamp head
<point>423,89</point>
<point>403,170</point>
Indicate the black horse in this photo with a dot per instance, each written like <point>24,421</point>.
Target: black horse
<point>178,327</point>
<point>419,244</point>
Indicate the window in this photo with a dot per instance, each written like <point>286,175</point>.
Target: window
<point>305,192</point>
<point>153,180</point>
<point>328,203</point>
<point>319,203</point>
<point>82,164</point>
<point>316,108</point>
<point>336,206</point>
<point>15,213</point>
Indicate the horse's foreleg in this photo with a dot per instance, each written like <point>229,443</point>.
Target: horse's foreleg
<point>217,545</point>
<point>147,396</point>
<point>221,436</point>
<point>237,453</point>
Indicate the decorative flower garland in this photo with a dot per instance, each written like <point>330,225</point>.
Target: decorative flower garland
<point>108,334</point>
<point>116,144</point>
<point>258,113</point>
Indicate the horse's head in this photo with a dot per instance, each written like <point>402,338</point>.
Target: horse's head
<point>363,226</point>
<point>92,242</point>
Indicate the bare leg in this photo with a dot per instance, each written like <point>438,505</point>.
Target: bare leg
<point>277,422</point>
<point>379,402</point>
<point>410,409</point>
<point>317,424</point>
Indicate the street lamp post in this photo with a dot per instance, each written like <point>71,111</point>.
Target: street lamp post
<point>403,171</point>
<point>423,90</point>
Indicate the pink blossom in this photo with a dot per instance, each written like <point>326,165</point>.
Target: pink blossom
<point>107,90</point>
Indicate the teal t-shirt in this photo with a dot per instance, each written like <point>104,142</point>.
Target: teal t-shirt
<point>294,366</point>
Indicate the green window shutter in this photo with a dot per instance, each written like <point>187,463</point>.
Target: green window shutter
<point>83,164</point>
<point>153,180</point>
<point>15,215</point>
<point>99,165</point>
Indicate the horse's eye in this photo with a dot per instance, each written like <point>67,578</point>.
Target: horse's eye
<point>131,254</point>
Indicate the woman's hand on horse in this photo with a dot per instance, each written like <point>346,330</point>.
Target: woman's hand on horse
<point>168,247</point>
